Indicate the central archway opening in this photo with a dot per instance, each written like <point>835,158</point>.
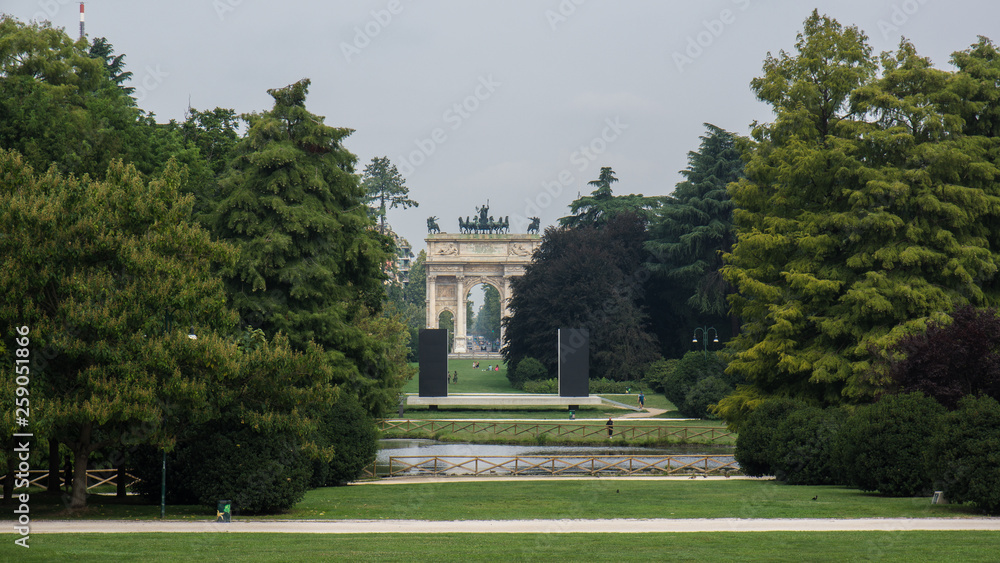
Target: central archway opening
<point>484,310</point>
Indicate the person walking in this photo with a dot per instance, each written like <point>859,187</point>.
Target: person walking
<point>611,426</point>
<point>642,400</point>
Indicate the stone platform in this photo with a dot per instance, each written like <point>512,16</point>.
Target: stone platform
<point>503,400</point>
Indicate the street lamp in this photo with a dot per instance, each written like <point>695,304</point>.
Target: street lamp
<point>168,319</point>
<point>704,337</point>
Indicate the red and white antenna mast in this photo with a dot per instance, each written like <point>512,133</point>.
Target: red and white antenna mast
<point>81,20</point>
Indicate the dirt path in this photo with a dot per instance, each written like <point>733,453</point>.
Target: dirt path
<point>617,525</point>
<point>643,414</point>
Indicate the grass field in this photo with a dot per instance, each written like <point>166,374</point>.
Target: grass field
<point>796,547</point>
<point>548,499</point>
<point>471,380</point>
<point>552,498</point>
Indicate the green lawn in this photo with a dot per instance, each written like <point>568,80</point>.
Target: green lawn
<point>471,380</point>
<point>603,498</point>
<point>795,547</point>
<point>552,498</point>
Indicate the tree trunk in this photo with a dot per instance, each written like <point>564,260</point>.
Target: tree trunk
<point>81,455</point>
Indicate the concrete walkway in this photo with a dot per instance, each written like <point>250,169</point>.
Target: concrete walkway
<point>617,525</point>
<point>646,413</point>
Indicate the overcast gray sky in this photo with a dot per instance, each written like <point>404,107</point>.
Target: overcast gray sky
<point>516,101</point>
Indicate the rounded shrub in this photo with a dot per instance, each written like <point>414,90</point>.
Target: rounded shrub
<point>702,395</point>
<point>351,431</point>
<point>528,369</point>
<point>261,473</point>
<point>688,371</point>
<point>755,443</point>
<point>965,455</point>
<point>883,445</point>
<point>804,452</point>
<point>656,374</point>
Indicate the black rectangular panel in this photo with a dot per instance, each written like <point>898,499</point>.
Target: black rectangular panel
<point>433,377</point>
<point>574,362</point>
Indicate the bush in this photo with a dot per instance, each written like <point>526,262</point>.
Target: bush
<point>528,369</point>
<point>804,452</point>
<point>688,372</point>
<point>755,443</point>
<point>260,473</point>
<point>596,386</point>
<point>657,372</point>
<point>883,445</point>
<point>966,454</point>
<point>351,431</point>
<point>609,386</point>
<point>704,393</point>
<point>542,386</point>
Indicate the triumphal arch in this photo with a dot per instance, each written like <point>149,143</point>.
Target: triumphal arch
<point>457,262</point>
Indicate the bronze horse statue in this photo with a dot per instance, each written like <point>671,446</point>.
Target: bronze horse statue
<point>533,226</point>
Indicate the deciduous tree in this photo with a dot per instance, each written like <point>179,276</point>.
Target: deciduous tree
<point>585,277</point>
<point>94,269</point>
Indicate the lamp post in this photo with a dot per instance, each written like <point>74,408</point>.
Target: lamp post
<point>704,337</point>
<point>167,321</point>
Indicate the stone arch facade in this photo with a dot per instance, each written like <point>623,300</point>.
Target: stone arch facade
<point>458,262</point>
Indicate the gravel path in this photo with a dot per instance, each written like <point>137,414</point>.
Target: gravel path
<point>521,526</point>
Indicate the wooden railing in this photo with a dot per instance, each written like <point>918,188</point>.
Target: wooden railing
<point>95,478</point>
<point>554,465</point>
<point>560,429</point>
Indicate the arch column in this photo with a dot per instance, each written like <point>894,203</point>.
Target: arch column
<point>431,319</point>
<point>460,347</point>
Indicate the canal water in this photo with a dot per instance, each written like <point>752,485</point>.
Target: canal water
<point>454,452</point>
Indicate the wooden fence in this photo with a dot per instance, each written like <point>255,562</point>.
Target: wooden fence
<point>622,429</point>
<point>692,465</point>
<point>95,478</point>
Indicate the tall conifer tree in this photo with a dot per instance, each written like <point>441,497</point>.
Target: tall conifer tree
<point>692,230</point>
<point>310,260</point>
<point>863,215</point>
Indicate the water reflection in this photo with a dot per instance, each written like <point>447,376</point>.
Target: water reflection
<point>411,447</point>
<point>430,457</point>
